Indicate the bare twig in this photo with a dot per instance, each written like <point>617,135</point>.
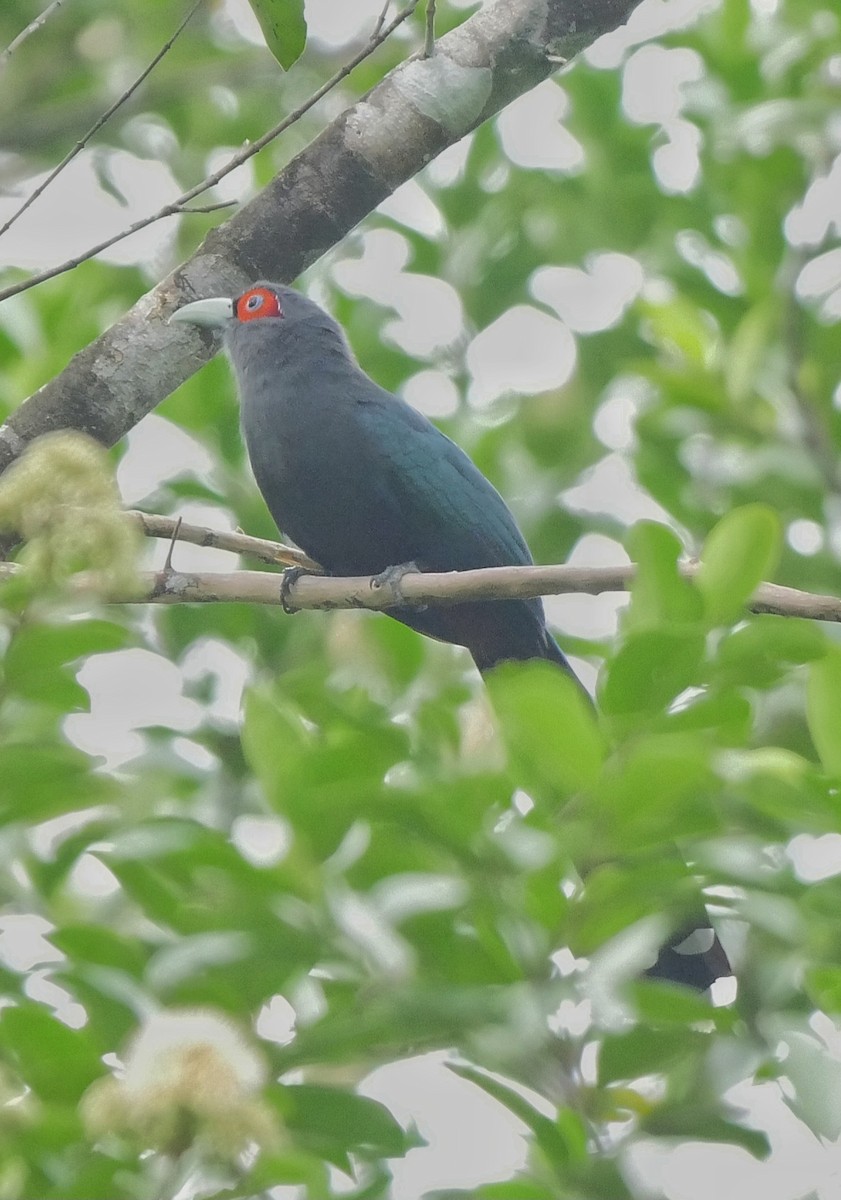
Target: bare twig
<point>274,553</point>
<point>429,35</point>
<point>206,208</point>
<point>31,28</point>
<point>177,206</point>
<point>97,125</point>
<point>380,20</point>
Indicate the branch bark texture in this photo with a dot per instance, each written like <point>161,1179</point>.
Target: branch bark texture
<point>418,110</point>
<point>376,593</point>
<point>455,587</point>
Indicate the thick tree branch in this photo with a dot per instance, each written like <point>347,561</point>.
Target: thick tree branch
<point>418,110</point>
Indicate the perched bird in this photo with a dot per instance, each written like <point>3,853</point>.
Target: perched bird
<point>363,482</point>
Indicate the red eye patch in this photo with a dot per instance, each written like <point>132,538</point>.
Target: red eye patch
<point>257,302</point>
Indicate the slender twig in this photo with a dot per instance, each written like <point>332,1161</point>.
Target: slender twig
<point>380,20</point>
<point>429,34</point>
<point>177,206</point>
<point>97,125</point>
<point>453,587</point>
<point>31,28</point>
<point>276,553</point>
<point>206,208</point>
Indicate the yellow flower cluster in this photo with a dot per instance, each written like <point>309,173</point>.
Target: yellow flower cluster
<point>60,496</point>
<point>190,1079</point>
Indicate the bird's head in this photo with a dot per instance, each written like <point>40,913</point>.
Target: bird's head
<point>263,302</point>
<point>264,312</point>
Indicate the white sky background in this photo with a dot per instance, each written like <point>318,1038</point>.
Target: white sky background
<point>530,348</point>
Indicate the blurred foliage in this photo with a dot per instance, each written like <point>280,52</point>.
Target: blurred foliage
<point>368,849</point>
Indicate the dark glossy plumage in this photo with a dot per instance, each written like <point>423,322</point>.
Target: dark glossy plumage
<point>361,481</point>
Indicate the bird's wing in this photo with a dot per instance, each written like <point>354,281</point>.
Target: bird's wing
<point>457,518</point>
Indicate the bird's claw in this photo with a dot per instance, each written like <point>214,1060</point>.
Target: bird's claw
<point>289,577</point>
<point>392,578</point>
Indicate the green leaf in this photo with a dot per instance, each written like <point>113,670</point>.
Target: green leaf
<point>41,780</point>
<point>668,1004</point>
<point>682,328</point>
<point>814,1073</point>
<point>617,895</point>
<point>746,350</point>
<point>763,649</point>
<point>659,593</point>
<point>284,28</point>
<point>36,661</point>
<point>100,945</point>
<point>824,986</point>
<point>549,726</point>
<point>273,739</point>
<point>322,758</point>
<point>641,1051</point>
<point>273,1169</point>
<point>338,1123</point>
<point>728,713</point>
<point>564,1141</point>
<point>740,552</point>
<point>700,1124</point>
<point>823,708</point>
<point>58,1063</point>
<point>509,1189</point>
<point>657,788</point>
<point>651,668</point>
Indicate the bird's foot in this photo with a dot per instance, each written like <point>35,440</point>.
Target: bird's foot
<point>392,578</point>
<point>289,577</point>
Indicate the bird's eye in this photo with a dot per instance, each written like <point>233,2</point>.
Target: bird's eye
<point>256,303</point>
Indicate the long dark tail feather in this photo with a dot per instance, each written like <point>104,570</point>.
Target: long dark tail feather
<point>553,653</point>
<point>693,957</point>
<point>534,642</point>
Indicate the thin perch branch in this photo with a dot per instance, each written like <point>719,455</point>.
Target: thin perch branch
<point>455,587</point>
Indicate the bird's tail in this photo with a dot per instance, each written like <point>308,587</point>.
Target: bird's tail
<point>693,956</point>
<point>521,636</point>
